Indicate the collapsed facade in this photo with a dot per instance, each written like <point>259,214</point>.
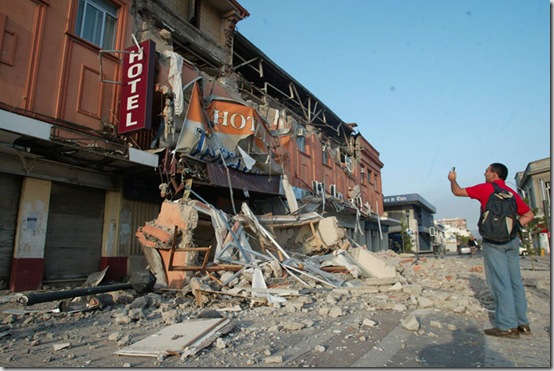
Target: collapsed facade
<point>112,107</point>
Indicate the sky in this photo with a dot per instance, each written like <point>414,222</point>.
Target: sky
<point>432,84</point>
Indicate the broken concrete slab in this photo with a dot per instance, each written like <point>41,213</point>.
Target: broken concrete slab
<point>330,232</point>
<point>155,264</point>
<point>370,263</point>
<point>174,338</point>
<point>61,346</point>
<point>260,288</point>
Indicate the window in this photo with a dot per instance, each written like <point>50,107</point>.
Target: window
<point>97,22</point>
<point>301,143</point>
<point>546,186</point>
<point>362,175</point>
<point>324,156</point>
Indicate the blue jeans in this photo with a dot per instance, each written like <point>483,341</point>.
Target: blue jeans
<point>504,280</point>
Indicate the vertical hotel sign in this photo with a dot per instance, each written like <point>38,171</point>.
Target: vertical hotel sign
<point>137,88</point>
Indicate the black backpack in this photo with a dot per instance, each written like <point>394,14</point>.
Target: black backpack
<point>498,221</point>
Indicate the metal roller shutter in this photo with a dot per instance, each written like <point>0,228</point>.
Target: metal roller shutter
<point>74,233</point>
<point>10,190</point>
<point>141,212</point>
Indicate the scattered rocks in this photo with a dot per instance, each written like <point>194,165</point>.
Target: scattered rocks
<point>273,360</point>
<point>264,333</point>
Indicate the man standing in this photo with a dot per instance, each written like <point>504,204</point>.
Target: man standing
<point>501,259</point>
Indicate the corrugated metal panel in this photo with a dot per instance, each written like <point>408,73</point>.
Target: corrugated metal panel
<point>10,189</point>
<point>141,212</point>
<point>74,234</point>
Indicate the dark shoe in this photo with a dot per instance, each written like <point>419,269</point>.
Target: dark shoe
<point>524,329</point>
<point>511,333</point>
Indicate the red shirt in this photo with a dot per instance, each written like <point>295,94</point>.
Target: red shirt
<point>481,192</point>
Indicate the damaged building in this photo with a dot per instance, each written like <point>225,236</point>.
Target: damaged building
<point>115,111</point>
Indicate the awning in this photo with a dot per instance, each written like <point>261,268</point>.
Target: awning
<point>56,143</point>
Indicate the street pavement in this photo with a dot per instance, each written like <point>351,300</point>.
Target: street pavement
<point>445,340</point>
<point>468,347</point>
<point>534,350</point>
<point>454,341</point>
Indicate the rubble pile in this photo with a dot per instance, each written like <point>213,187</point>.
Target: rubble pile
<point>193,236</point>
<point>228,293</point>
<point>264,319</point>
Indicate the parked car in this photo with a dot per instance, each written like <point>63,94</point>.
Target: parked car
<point>464,249</point>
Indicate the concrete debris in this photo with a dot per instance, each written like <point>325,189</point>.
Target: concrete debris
<point>171,243</point>
<point>436,324</point>
<point>368,322</point>
<point>273,360</point>
<point>293,326</point>
<point>335,312</point>
<point>424,302</point>
<point>319,348</point>
<point>410,322</point>
<point>371,264</point>
<point>61,346</point>
<point>185,338</point>
<point>282,293</point>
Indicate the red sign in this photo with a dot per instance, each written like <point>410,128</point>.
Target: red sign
<point>137,88</point>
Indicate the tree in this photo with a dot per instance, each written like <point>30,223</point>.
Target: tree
<point>531,232</point>
<point>407,245</point>
<point>462,240</point>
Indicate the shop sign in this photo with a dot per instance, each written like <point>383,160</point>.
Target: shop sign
<point>135,110</point>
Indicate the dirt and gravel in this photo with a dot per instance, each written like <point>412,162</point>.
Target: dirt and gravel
<point>426,318</point>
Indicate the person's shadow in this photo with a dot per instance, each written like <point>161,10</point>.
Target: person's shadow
<point>482,294</point>
<point>467,348</point>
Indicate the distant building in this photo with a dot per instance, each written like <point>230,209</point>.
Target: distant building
<point>533,184</point>
<point>416,214</point>
<point>454,223</point>
<point>453,227</point>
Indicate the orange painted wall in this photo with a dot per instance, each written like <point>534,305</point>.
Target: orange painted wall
<point>47,69</point>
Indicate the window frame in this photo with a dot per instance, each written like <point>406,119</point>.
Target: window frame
<point>107,10</point>
<point>301,143</point>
